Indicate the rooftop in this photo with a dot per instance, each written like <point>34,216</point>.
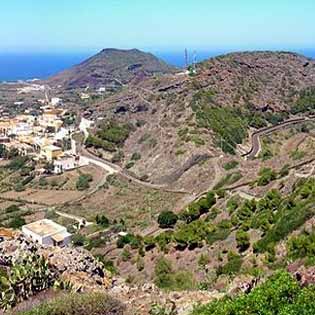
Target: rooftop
<point>45,227</point>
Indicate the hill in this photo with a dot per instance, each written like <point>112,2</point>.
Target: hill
<point>185,118</point>
<point>111,68</point>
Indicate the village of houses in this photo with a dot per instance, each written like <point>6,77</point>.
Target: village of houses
<point>45,139</point>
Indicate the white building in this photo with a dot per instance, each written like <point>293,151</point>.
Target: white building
<point>63,164</point>
<point>47,232</point>
<point>69,162</point>
<point>55,101</point>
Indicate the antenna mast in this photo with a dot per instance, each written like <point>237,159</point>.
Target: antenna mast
<point>186,58</point>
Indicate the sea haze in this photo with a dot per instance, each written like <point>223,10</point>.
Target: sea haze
<point>15,66</point>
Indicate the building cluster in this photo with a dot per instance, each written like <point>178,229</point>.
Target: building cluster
<point>42,136</point>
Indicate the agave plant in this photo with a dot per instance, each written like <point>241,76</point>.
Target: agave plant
<point>7,294</point>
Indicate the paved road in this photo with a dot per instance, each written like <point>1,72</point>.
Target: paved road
<point>255,137</point>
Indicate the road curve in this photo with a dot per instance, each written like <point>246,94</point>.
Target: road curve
<point>113,169</point>
<point>255,137</point>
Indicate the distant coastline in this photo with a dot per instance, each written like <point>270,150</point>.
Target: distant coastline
<point>21,67</point>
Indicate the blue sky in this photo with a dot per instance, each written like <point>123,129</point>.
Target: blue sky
<point>86,25</point>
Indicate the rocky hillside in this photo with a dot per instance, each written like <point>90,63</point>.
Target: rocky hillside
<point>258,79</point>
<point>111,68</point>
<point>179,119</point>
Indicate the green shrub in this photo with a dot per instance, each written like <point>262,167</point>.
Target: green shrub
<point>83,182</point>
<point>12,208</point>
<point>305,102</point>
<point>167,219</point>
<point>232,266</point>
<point>166,278</point>
<point>228,179</point>
<point>133,240</point>
<point>79,240</point>
<point>16,222</point>
<point>297,154</point>
<point>301,246</point>
<point>18,162</point>
<point>266,175</point>
<point>281,294</point>
<point>102,220</point>
<point>242,240</point>
<point>230,165</point>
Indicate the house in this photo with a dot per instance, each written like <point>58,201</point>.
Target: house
<point>65,163</point>
<point>55,101</point>
<point>47,232</point>
<point>69,162</point>
<point>51,152</point>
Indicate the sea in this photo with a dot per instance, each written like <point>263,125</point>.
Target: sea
<point>28,66</point>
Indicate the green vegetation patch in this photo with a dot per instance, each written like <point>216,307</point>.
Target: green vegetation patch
<point>168,279</point>
<point>80,304</point>
<point>228,179</point>
<point>230,165</point>
<point>305,102</point>
<point>281,295</point>
<point>109,136</point>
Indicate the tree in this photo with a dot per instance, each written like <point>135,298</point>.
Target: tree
<point>83,181</point>
<point>242,240</point>
<point>167,219</point>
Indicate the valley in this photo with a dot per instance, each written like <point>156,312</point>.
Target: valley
<point>193,185</point>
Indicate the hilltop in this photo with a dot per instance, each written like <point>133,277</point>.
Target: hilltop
<point>111,68</point>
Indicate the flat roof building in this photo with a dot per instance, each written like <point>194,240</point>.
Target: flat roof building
<point>47,232</point>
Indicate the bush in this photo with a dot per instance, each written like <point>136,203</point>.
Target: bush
<point>229,179</point>
<point>133,240</point>
<point>79,240</point>
<point>163,273</point>
<point>12,208</point>
<point>18,162</point>
<point>197,208</point>
<point>80,304</point>
<point>230,165</point>
<point>102,220</point>
<point>16,222</point>
<point>302,246</point>
<point>167,219</point>
<point>242,240</point>
<point>166,278</point>
<point>266,176</point>
<point>281,294</point>
<point>19,187</point>
<point>83,182</point>
<point>305,102</point>
<point>233,265</point>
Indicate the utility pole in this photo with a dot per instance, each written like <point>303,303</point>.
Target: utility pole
<point>186,58</point>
